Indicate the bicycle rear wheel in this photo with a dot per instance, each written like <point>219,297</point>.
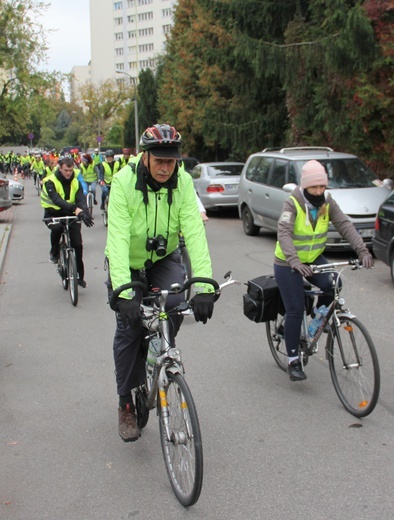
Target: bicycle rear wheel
<point>181,440</point>
<point>354,366</point>
<point>187,266</point>
<point>276,342</point>
<point>72,278</point>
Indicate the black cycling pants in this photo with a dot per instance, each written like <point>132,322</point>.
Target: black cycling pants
<point>128,356</point>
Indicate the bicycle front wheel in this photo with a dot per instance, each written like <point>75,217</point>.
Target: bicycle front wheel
<point>354,366</point>
<point>181,439</point>
<point>90,202</point>
<point>38,185</point>
<point>105,213</point>
<point>62,267</point>
<point>72,277</point>
<point>276,342</point>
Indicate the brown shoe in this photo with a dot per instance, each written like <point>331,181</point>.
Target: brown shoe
<point>128,428</point>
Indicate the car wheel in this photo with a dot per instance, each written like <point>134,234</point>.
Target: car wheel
<point>250,228</point>
<point>392,266</point>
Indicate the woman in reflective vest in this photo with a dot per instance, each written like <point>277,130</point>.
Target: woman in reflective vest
<point>302,235</point>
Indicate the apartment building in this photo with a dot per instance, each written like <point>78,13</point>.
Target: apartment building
<point>127,36</point>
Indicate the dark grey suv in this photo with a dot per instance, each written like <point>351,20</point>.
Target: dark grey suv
<point>268,178</point>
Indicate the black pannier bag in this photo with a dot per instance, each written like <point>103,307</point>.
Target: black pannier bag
<point>263,301</point>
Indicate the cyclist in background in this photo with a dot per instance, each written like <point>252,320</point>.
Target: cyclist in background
<point>151,201</point>
<point>107,170</point>
<point>89,174</point>
<point>125,158</point>
<point>61,196</point>
<point>302,236</point>
<point>37,166</point>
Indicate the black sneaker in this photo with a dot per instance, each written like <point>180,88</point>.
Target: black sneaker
<point>295,371</point>
<point>82,283</point>
<point>102,206</point>
<point>53,259</point>
<point>95,202</point>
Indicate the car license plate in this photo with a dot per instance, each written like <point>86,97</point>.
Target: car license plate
<point>367,233</point>
<point>231,187</point>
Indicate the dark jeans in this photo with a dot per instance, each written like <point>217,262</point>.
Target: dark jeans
<point>76,243</point>
<point>291,288</point>
<point>128,356</point>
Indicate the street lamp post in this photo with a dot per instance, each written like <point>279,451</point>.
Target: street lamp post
<point>136,125</point>
<point>98,137</point>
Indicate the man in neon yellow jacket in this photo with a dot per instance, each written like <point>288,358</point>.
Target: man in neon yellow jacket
<point>151,200</point>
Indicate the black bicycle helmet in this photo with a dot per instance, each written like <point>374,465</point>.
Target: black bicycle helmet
<point>109,153</point>
<point>162,141</point>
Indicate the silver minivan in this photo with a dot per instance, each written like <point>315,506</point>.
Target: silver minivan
<point>268,178</point>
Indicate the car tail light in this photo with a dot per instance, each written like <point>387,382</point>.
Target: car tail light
<point>3,182</point>
<point>215,188</point>
<point>377,224</point>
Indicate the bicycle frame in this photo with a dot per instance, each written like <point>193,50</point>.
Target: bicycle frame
<point>69,280</point>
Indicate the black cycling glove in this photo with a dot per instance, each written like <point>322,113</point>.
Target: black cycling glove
<point>202,304</point>
<point>87,218</point>
<point>130,312</point>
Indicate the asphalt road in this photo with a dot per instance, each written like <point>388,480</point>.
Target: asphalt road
<point>272,449</point>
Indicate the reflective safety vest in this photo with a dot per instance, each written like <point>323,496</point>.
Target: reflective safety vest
<point>38,166</point>
<point>309,242</point>
<point>88,172</point>
<point>108,172</point>
<point>46,201</point>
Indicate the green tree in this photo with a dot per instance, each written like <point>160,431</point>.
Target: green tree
<point>22,47</point>
<point>104,106</point>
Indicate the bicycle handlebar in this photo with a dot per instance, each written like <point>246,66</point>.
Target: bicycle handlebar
<point>57,219</point>
<point>175,290</point>
<point>334,266</point>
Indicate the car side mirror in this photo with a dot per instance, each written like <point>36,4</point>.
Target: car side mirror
<point>289,187</point>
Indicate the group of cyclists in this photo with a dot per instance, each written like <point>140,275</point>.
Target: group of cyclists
<point>152,201</point>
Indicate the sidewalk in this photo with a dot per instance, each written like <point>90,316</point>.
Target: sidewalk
<point>6,219</point>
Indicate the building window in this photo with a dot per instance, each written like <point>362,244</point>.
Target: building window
<point>132,65</point>
<point>148,47</point>
<point>145,16</point>
<point>131,34</point>
<point>119,36</point>
<point>166,29</point>
<point>132,49</point>
<point>130,19</point>
<point>118,21</point>
<point>119,51</point>
<point>130,3</point>
<point>119,66</point>
<point>117,6</point>
<point>165,13</point>
<point>145,32</point>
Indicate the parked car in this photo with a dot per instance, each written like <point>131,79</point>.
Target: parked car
<point>5,199</point>
<point>383,241</point>
<point>268,178</point>
<point>17,190</point>
<point>189,163</point>
<point>216,183</point>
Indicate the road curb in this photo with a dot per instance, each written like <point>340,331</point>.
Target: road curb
<point>5,233</point>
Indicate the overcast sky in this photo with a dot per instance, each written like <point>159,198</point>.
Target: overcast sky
<point>69,43</point>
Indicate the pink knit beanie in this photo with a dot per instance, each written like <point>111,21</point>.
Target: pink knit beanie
<point>313,174</point>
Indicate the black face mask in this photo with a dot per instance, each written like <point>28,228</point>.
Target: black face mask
<point>315,200</point>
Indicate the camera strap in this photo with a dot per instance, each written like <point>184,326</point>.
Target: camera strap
<point>149,261</point>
